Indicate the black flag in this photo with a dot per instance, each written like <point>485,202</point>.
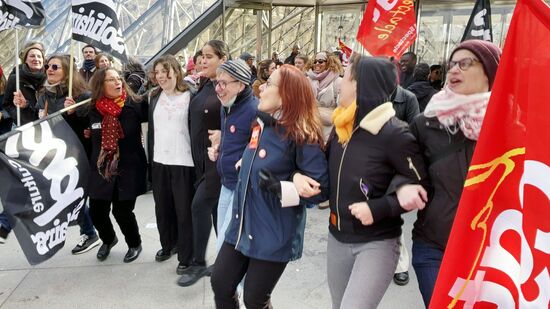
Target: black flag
<point>95,22</point>
<point>26,13</point>
<point>44,172</point>
<point>479,26</point>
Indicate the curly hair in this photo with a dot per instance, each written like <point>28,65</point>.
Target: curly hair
<point>333,63</point>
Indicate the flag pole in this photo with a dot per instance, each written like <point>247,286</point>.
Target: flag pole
<point>17,72</point>
<point>71,68</point>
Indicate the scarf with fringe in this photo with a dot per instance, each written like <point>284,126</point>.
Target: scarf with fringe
<point>465,111</point>
<point>111,132</point>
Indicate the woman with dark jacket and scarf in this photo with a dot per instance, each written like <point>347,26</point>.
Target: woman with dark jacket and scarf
<point>54,97</point>
<point>117,162</point>
<point>447,132</point>
<point>370,146</point>
<point>169,149</point>
<point>205,119</point>
<point>31,80</point>
<point>268,219</point>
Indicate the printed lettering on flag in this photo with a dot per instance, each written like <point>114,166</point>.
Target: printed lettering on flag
<point>388,27</point>
<point>479,25</point>
<point>26,13</point>
<point>95,22</point>
<point>44,172</point>
<point>498,254</point>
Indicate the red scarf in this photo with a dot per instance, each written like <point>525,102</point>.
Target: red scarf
<point>111,132</point>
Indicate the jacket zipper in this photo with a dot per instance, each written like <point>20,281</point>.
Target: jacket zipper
<point>338,183</point>
<point>222,140</point>
<point>246,186</point>
<point>411,166</point>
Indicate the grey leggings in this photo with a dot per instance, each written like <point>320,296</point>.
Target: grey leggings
<point>359,274</point>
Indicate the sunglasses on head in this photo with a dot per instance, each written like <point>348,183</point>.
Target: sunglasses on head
<point>54,67</point>
<point>320,61</point>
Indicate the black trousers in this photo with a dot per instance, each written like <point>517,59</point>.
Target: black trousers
<point>123,211</point>
<point>173,192</point>
<point>203,207</point>
<point>230,268</point>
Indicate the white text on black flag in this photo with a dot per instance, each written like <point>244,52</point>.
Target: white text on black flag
<point>96,23</point>
<point>44,172</point>
<point>26,13</point>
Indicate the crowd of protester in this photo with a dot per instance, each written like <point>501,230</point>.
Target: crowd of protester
<point>246,150</point>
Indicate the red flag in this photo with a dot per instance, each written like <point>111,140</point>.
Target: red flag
<point>344,48</point>
<point>388,27</point>
<point>498,253</point>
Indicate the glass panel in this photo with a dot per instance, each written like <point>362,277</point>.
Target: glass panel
<point>340,21</point>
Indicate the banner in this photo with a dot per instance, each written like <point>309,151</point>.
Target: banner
<point>498,254</point>
<point>44,172</point>
<point>95,22</point>
<point>388,27</point>
<point>29,13</point>
<point>479,25</point>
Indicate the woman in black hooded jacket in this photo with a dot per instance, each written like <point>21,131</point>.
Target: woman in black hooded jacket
<point>367,148</point>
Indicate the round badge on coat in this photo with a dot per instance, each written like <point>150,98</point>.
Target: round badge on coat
<point>232,129</point>
<point>262,153</point>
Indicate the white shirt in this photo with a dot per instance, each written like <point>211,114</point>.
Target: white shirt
<point>172,140</point>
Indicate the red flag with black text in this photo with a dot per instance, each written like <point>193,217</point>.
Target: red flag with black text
<point>388,27</point>
<point>498,254</point>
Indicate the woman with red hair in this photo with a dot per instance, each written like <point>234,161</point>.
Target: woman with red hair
<point>268,221</point>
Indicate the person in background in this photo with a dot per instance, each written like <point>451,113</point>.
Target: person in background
<point>204,122</point>
<point>53,97</point>
<point>436,76</point>
<point>249,59</point>
<point>5,126</point>
<point>6,121</point>
<point>134,74</point>
<point>324,72</point>
<point>88,66</point>
<point>295,51</point>
<point>103,60</point>
<point>265,68</point>
<point>169,149</point>
<point>267,230</point>
<point>421,87</point>
<point>275,58</point>
<point>31,80</point>
<point>407,62</point>
<point>150,82</point>
<point>447,133</point>
<point>193,69</point>
<point>369,148</point>
<point>300,62</point>
<point>117,162</point>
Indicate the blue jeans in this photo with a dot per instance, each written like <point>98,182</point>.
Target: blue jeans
<point>5,223</point>
<point>85,222</point>
<point>426,260</point>
<point>225,210</point>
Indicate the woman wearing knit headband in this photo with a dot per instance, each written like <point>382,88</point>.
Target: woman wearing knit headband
<point>447,133</point>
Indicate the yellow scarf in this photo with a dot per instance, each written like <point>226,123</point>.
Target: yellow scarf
<point>343,118</point>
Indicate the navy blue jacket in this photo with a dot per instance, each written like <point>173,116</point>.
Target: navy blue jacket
<point>260,228</point>
<point>236,127</point>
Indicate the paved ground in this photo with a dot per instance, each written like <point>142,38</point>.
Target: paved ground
<point>68,281</point>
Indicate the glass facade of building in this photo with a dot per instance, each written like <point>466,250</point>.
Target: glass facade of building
<point>259,27</point>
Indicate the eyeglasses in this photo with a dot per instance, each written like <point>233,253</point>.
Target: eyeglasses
<point>54,67</point>
<point>464,64</point>
<point>113,80</point>
<point>223,84</point>
<point>319,61</point>
<point>270,83</point>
